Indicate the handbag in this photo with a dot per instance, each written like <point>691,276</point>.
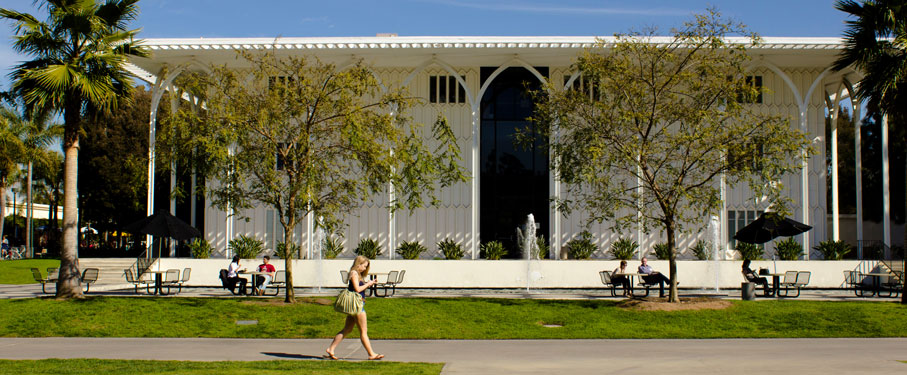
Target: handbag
<point>348,302</point>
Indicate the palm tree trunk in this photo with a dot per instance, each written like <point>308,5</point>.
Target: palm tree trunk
<point>69,283</point>
<point>2,209</point>
<point>28,211</point>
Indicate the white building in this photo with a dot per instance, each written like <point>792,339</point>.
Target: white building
<point>462,76</point>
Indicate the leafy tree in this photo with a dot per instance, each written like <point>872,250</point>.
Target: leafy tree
<point>673,115</point>
<point>301,136</point>
<point>10,153</point>
<point>35,134</point>
<point>876,43</point>
<point>113,164</point>
<point>78,57</point>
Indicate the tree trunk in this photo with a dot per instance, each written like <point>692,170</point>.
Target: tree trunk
<point>29,210</point>
<point>669,230</point>
<point>69,283</point>
<point>288,259</point>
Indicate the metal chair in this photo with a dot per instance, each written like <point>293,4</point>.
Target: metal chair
<point>36,273</point>
<point>894,284</point>
<point>53,273</point>
<point>90,276</point>
<point>606,280</point>
<point>391,283</point>
<point>130,278</point>
<point>801,279</point>
<point>854,280</point>
<point>280,279</point>
<point>344,276</point>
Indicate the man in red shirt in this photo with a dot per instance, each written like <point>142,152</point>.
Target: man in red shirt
<point>264,280</point>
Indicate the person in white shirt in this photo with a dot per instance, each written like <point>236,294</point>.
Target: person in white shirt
<point>233,277</point>
<point>651,276</point>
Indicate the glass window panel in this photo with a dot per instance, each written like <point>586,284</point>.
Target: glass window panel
<point>433,89</point>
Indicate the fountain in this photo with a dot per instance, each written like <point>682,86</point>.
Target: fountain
<point>527,241</point>
<point>317,244</point>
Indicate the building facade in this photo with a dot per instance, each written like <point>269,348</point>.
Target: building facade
<point>475,83</point>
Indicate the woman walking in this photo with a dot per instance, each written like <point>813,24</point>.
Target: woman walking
<point>356,283</point>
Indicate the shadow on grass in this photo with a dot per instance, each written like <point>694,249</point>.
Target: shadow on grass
<point>291,355</point>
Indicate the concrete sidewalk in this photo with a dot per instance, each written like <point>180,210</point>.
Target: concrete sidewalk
<point>720,356</point>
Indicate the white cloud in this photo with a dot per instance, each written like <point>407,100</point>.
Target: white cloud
<point>547,9</point>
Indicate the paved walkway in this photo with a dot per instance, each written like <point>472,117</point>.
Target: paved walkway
<point>737,356</point>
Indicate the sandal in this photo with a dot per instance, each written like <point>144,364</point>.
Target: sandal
<point>376,357</point>
<point>329,356</point>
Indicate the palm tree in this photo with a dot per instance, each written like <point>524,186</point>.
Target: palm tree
<point>78,58</point>
<point>876,43</point>
<point>35,135</point>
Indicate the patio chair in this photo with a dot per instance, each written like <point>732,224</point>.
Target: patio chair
<point>179,283</point>
<point>90,276</point>
<point>801,279</point>
<point>171,279</point>
<point>280,279</point>
<point>225,282</point>
<point>894,284</point>
<point>36,273</point>
<point>606,280</point>
<point>854,280</point>
<point>130,278</point>
<point>53,273</point>
<point>391,283</point>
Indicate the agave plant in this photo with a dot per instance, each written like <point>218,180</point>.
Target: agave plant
<point>411,249</point>
<point>450,249</point>
<point>624,248</point>
<point>702,250</point>
<point>200,248</point>
<point>582,247</point>
<point>368,248</point>
<point>493,250</point>
<point>246,247</point>
<point>789,249</point>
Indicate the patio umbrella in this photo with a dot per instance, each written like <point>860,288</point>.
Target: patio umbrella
<point>769,226</point>
<point>163,224</point>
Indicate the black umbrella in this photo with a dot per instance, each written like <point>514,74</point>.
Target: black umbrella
<point>163,224</point>
<point>768,226</point>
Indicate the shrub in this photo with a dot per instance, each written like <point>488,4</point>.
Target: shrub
<point>702,250</point>
<point>833,250</point>
<point>282,252</point>
<point>450,249</point>
<point>493,250</point>
<point>542,247</point>
<point>749,251</point>
<point>410,250</point>
<point>200,248</point>
<point>368,248</point>
<point>332,247</point>
<point>624,249</point>
<point>581,248</point>
<point>661,251</point>
<point>246,247</point>
<point>789,249</point>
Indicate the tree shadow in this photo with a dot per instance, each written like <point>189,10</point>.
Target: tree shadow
<point>291,355</point>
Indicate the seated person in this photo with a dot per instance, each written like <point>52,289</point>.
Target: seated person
<point>752,277</point>
<point>651,276</point>
<point>264,280</point>
<point>233,277</point>
<point>617,278</point>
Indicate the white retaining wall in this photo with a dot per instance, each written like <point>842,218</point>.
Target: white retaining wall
<point>514,273</point>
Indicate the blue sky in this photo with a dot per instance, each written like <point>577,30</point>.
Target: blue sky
<point>302,18</point>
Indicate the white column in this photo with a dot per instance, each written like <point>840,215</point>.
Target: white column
<point>163,80</point>
<point>857,119</point>
<point>309,234</point>
<point>174,106</point>
<point>835,206</point>
<point>474,184</point>
<point>886,190</point>
<point>554,240</point>
<point>639,192</point>
<point>804,180</point>
<point>725,236</point>
<point>193,198</point>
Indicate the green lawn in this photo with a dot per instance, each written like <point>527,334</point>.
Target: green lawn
<point>18,271</point>
<point>443,318</point>
<point>103,366</point>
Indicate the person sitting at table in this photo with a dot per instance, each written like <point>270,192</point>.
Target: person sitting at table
<point>651,276</point>
<point>619,277</point>
<point>752,277</point>
<point>264,280</point>
<point>233,277</point>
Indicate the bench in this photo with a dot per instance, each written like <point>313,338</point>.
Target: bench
<point>801,279</point>
<point>854,280</point>
<point>393,278</point>
<point>130,278</point>
<point>647,285</point>
<point>280,280</point>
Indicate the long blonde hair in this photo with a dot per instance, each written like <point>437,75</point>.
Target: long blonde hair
<point>356,262</point>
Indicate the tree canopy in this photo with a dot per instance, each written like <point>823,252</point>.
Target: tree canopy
<point>302,136</point>
<point>656,124</point>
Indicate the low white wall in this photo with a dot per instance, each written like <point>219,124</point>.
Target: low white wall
<point>515,273</point>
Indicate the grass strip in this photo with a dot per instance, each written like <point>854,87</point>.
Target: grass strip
<point>110,366</point>
<point>443,318</point>
<point>19,271</point>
